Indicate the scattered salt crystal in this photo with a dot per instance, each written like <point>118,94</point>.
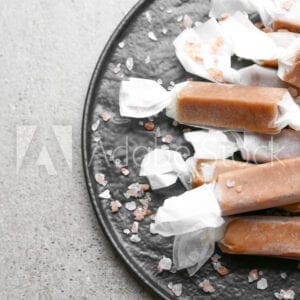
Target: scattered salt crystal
<point>130,205</point>
<point>164,30</point>
<point>125,171</point>
<point>285,295</point>
<point>100,178</point>
<point>262,284</point>
<point>283,275</point>
<point>135,227</point>
<point>126,231</point>
<point>180,18</point>
<point>252,276</point>
<point>167,139</point>
<point>141,123</point>
<point>118,163</point>
<point>170,285</point>
<point>172,83</point>
<point>157,132</point>
<point>147,59</point>
<point>105,195</point>
<point>95,125</point>
<point>115,206</point>
<point>206,286</point>
<point>169,11</point>
<point>152,36</point>
<point>145,203</point>
<point>159,81</point>
<point>223,271</point>
<point>161,8</point>
<point>187,21</point>
<point>164,264</point>
<point>117,68</point>
<point>260,273</point>
<point>148,16</point>
<point>121,44</point>
<point>230,183</point>
<point>105,116</point>
<point>177,289</point>
<point>129,63</point>
<point>135,238</point>
<point>149,126</point>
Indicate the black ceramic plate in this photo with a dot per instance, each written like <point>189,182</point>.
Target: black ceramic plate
<point>129,140</point>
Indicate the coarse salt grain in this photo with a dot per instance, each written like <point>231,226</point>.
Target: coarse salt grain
<point>187,21</point>
<point>126,231</point>
<point>179,19</point>
<point>262,284</point>
<point>148,16</point>
<point>135,238</point>
<point>177,289</point>
<point>121,44</point>
<point>105,195</point>
<point>95,125</point>
<point>129,63</point>
<point>115,206</point>
<point>164,264</point>
<point>130,205</point>
<point>253,276</point>
<point>206,286</point>
<point>125,171</point>
<point>105,116</point>
<point>164,30</point>
<point>100,178</point>
<point>285,295</point>
<point>135,227</point>
<point>152,36</point>
<point>169,11</point>
<point>147,59</point>
<point>117,68</point>
<point>230,183</point>
<point>283,275</point>
<point>167,139</point>
<point>159,81</point>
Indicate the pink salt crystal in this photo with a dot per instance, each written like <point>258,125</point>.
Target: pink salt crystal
<point>125,171</point>
<point>285,295</point>
<point>117,68</point>
<point>177,289</point>
<point>130,205</point>
<point>100,178</point>
<point>105,116</point>
<point>230,183</point>
<point>115,206</point>
<point>187,21</point>
<point>167,139</point>
<point>253,276</point>
<point>164,264</point>
<point>135,227</point>
<point>144,187</point>
<point>262,284</point>
<point>223,271</point>
<point>206,286</point>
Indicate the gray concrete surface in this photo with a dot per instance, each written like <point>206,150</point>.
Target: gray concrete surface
<point>51,246</point>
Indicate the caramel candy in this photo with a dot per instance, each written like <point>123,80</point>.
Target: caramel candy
<point>293,77</point>
<point>286,24</point>
<point>207,171</point>
<point>229,106</point>
<point>259,187</point>
<point>261,235</point>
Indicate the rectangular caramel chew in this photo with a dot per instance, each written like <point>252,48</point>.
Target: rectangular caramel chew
<point>249,108</point>
<point>286,24</point>
<point>293,77</point>
<point>258,187</point>
<point>262,235</point>
<point>214,168</point>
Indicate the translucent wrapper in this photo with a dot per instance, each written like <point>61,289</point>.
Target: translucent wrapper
<point>289,64</point>
<point>247,41</point>
<point>141,98</point>
<point>203,51</point>
<point>253,146</point>
<point>261,76</point>
<point>280,14</point>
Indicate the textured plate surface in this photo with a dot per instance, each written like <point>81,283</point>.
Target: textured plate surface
<point>129,142</point>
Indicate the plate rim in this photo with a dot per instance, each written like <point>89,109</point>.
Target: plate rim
<point>135,10</point>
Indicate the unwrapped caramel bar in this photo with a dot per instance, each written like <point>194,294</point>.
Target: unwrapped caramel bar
<point>262,186</point>
<point>261,235</point>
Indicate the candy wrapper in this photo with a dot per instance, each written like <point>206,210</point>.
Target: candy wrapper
<point>279,14</point>
<point>267,236</point>
<point>205,105</point>
<point>195,218</point>
<point>289,64</point>
<point>203,51</point>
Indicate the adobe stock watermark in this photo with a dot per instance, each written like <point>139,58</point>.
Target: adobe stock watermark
<point>50,148</point>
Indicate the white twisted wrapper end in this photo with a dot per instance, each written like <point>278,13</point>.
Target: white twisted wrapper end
<point>211,144</point>
<point>141,98</point>
<point>194,218</point>
<point>163,167</point>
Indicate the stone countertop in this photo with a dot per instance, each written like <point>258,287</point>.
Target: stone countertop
<point>51,245</point>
